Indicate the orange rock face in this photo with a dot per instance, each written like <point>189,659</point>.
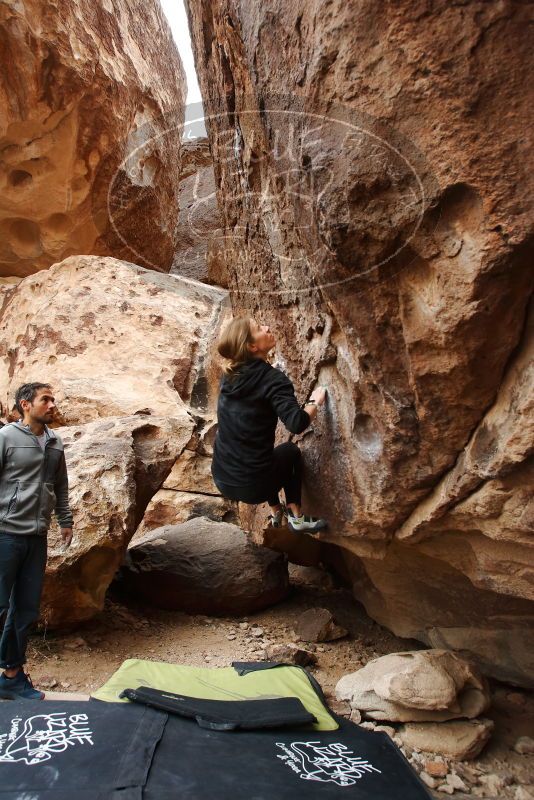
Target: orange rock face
<point>373,173</point>
<point>91,95</point>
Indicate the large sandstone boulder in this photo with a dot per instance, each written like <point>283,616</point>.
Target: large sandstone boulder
<point>191,473</point>
<point>373,176</point>
<point>204,567</point>
<point>128,352</point>
<point>91,99</point>
<point>114,467</point>
<point>424,685</point>
<point>418,595</point>
<point>112,338</point>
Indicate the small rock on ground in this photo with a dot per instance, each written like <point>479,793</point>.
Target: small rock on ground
<point>458,739</point>
<point>437,769</point>
<point>318,625</point>
<point>428,780</point>
<point>290,654</point>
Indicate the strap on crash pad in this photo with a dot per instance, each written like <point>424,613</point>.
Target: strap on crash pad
<point>246,667</point>
<point>226,715</point>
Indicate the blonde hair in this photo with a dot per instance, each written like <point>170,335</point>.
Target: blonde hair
<point>233,344</point>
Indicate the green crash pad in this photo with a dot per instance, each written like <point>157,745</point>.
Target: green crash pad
<point>223,683</point>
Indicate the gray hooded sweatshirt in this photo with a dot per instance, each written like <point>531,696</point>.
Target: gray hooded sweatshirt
<point>33,482</point>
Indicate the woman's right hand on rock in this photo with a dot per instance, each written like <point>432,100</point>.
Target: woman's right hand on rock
<point>319,395</point>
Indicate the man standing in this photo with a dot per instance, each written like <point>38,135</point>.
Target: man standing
<point>33,483</point>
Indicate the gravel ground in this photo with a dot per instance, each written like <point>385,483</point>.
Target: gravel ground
<point>83,660</point>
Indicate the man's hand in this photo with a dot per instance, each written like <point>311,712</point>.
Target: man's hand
<point>66,535</point>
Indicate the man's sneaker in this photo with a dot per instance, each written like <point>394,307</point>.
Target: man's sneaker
<point>276,520</point>
<point>306,524</point>
<point>19,687</point>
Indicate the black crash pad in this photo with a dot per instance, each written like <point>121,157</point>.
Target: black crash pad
<point>76,750</point>
<point>351,762</point>
<point>126,751</point>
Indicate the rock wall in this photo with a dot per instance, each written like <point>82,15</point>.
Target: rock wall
<point>91,96</point>
<point>199,235</point>
<point>373,174</point>
<point>128,352</point>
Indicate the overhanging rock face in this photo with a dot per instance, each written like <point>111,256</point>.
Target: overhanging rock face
<point>373,176</point>
<point>91,99</point>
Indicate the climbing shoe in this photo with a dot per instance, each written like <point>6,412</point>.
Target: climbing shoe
<point>305,524</point>
<point>276,520</point>
<point>18,688</point>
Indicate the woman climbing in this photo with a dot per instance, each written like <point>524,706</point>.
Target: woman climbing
<point>253,396</point>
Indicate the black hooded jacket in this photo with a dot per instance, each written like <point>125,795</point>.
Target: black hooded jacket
<point>250,404</point>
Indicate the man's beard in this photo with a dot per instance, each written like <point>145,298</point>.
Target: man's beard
<point>44,420</point>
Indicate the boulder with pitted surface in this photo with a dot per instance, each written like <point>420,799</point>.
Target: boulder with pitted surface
<point>114,467</point>
<point>113,339</point>
<point>128,353</point>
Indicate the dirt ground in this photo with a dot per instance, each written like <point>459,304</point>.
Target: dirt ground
<point>83,660</point>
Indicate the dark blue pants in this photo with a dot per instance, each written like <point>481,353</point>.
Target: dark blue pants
<point>22,569</point>
<point>286,474</point>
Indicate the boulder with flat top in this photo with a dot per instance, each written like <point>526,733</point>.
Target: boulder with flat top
<point>459,740</point>
<point>425,685</point>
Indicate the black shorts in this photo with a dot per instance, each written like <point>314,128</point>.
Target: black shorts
<point>285,473</point>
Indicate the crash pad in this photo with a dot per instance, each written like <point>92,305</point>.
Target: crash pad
<point>225,683</point>
<point>115,750</point>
